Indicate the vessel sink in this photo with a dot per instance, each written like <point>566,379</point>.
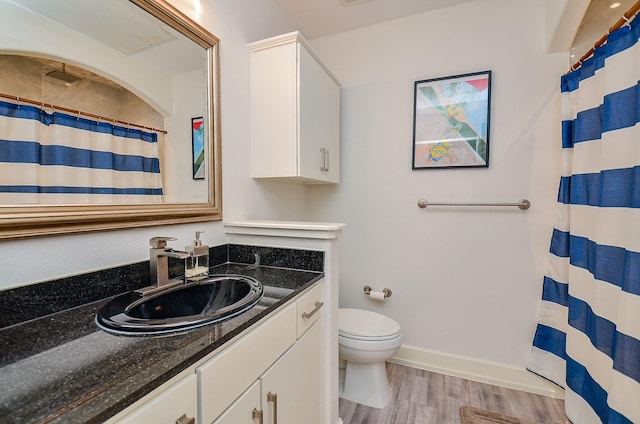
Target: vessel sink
<point>181,308</point>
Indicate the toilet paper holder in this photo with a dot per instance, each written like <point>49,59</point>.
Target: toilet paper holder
<point>385,291</point>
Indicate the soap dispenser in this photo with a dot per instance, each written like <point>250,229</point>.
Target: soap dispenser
<point>196,266</point>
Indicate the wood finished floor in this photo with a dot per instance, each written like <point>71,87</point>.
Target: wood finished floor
<point>424,397</point>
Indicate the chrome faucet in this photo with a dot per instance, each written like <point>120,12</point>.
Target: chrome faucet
<point>159,255</point>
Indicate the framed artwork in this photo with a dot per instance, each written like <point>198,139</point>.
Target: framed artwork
<point>451,121</point>
<point>197,145</point>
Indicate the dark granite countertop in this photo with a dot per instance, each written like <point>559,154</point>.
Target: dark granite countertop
<point>61,368</point>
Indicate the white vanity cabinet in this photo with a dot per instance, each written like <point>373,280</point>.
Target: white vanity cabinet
<point>295,113</point>
<point>288,392</point>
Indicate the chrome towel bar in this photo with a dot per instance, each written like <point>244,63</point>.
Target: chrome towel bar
<point>523,204</point>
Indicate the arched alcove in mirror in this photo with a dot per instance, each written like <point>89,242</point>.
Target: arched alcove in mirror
<point>126,118</point>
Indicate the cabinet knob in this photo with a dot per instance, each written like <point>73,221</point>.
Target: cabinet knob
<point>185,420</point>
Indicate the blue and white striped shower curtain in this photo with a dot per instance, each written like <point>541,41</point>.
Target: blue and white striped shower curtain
<point>56,158</point>
<point>588,336</point>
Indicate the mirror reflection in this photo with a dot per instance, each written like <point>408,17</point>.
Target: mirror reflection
<point>148,153</point>
<point>106,102</point>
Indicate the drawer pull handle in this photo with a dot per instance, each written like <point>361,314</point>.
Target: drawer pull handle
<point>273,397</point>
<point>185,420</point>
<point>318,305</point>
<point>256,414</point>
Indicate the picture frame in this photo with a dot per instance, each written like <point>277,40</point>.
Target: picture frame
<point>451,118</point>
<point>197,148</point>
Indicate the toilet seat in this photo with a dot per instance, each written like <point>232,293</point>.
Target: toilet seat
<point>358,324</point>
<point>368,345</point>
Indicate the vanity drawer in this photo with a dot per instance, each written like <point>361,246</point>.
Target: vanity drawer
<point>167,407</point>
<point>309,307</point>
<point>227,375</point>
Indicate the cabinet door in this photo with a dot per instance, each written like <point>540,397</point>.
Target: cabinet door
<point>319,119</point>
<point>242,410</point>
<point>274,134</point>
<point>179,399</point>
<point>291,388</point>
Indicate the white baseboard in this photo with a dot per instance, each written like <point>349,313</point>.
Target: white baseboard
<point>472,369</point>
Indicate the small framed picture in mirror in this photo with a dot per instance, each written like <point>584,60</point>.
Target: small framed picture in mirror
<point>197,144</point>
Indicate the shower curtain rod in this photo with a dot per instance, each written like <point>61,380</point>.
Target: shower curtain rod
<point>627,17</point>
<point>77,112</point>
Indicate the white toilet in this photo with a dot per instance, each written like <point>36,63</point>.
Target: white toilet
<point>365,341</point>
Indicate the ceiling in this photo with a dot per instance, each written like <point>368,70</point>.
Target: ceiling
<point>596,22</point>
<point>318,18</point>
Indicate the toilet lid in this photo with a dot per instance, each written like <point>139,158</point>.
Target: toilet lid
<point>361,324</point>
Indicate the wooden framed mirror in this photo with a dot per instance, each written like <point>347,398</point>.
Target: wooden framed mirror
<point>62,32</point>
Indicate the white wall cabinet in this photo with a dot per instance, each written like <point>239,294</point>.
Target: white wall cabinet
<point>295,113</point>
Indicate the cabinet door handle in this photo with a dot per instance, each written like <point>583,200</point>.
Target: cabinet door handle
<point>273,397</point>
<point>326,166</point>
<point>185,420</point>
<point>256,414</point>
<point>325,159</point>
<point>318,305</point>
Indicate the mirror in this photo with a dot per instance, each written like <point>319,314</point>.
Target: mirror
<point>146,48</point>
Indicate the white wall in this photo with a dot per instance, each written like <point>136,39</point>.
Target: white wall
<point>190,102</point>
<point>465,281</point>
<point>236,23</point>
<point>244,198</point>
